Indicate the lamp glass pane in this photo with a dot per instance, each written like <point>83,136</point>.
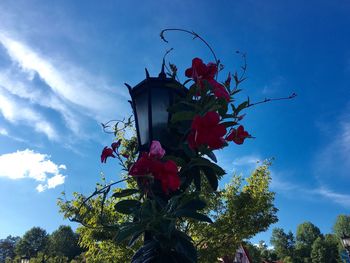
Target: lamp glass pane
<point>160,104</point>
<point>141,103</point>
<point>346,241</point>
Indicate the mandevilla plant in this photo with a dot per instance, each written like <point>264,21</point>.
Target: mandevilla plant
<point>164,186</point>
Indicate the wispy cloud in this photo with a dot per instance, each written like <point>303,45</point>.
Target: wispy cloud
<point>33,165</point>
<point>247,161</point>
<point>334,156</point>
<point>292,189</point>
<point>64,88</point>
<point>339,198</point>
<point>18,113</point>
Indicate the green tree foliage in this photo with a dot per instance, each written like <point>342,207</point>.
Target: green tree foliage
<point>254,253</point>
<point>306,234</point>
<point>64,242</point>
<point>319,251</point>
<point>332,248</point>
<point>239,212</point>
<point>283,243</point>
<point>342,225</point>
<point>7,248</point>
<point>325,250</point>
<point>33,241</point>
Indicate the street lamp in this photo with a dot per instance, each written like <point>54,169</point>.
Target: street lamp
<point>150,100</point>
<point>345,239</point>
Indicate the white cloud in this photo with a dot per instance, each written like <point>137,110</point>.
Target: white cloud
<point>52,182</point>
<point>3,132</point>
<point>33,165</point>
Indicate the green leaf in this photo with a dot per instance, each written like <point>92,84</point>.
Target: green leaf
<point>211,176</point>
<point>205,162</point>
<point>235,91</point>
<point>193,215</point>
<point>228,124</point>
<point>197,182</point>
<point>127,206</point>
<point>128,230</point>
<point>185,246</point>
<point>187,80</point>
<point>194,204</point>
<point>125,192</point>
<point>134,238</point>
<point>212,156</point>
<point>182,116</point>
<point>241,106</point>
<point>179,161</point>
<point>188,151</point>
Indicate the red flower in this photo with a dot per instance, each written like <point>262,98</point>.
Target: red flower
<point>150,163</point>
<point>142,166</point>
<point>116,145</point>
<point>168,177</point>
<point>219,90</point>
<point>106,152</point>
<point>238,135</point>
<point>125,155</point>
<point>206,130</point>
<point>200,71</point>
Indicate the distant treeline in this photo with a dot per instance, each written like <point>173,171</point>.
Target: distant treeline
<point>308,245</point>
<point>37,246</point>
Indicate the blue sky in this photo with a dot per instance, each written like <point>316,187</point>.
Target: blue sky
<point>62,69</point>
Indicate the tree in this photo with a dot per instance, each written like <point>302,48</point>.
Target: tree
<point>283,243</point>
<point>64,242</point>
<point>254,252</point>
<point>306,234</point>
<point>239,212</point>
<point>33,241</point>
<point>342,225</point>
<point>319,251</point>
<point>332,248</point>
<point>7,248</point>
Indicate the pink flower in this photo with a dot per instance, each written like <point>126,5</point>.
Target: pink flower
<point>106,152</point>
<point>156,150</point>
<point>238,135</point>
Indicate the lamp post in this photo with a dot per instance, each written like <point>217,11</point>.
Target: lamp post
<point>345,239</point>
<point>150,100</point>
